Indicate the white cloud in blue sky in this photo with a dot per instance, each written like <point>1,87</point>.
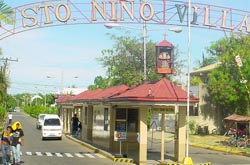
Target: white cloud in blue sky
<point>72,50</point>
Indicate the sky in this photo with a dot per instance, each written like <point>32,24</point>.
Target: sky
<point>67,54</point>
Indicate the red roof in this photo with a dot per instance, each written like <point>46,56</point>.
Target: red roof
<point>101,93</point>
<point>63,98</point>
<point>165,43</point>
<point>160,91</point>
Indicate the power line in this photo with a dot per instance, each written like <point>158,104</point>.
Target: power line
<point>4,68</point>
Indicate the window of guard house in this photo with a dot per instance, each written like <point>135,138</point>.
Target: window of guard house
<point>121,113</point>
<point>106,119</point>
<point>85,115</point>
<point>193,111</point>
<point>132,120</point>
<point>121,119</point>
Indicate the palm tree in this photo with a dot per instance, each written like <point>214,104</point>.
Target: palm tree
<point>6,13</point>
<point>3,86</point>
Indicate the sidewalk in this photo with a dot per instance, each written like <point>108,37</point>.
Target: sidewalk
<point>154,146</point>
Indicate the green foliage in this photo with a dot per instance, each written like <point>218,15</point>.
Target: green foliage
<point>192,125</point>
<point>99,82</point>
<point>225,87</point>
<point>34,111</point>
<point>11,102</point>
<point>6,13</point>
<point>211,59</point>
<point>149,113</point>
<point>2,113</point>
<point>195,80</point>
<point>4,83</point>
<point>125,63</point>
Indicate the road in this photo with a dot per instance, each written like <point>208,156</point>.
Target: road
<point>49,152</point>
<point>65,151</point>
<point>198,155</point>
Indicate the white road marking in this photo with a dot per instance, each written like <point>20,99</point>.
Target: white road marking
<point>29,153</point>
<point>39,154</point>
<point>89,155</point>
<point>68,155</point>
<point>48,154</point>
<point>100,156</point>
<point>71,155</point>
<point>59,155</point>
<point>79,155</point>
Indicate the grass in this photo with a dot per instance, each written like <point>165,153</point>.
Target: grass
<point>216,141</point>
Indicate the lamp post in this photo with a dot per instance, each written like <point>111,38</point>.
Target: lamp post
<point>144,35</point>
<point>187,159</point>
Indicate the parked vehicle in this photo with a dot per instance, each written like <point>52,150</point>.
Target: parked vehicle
<point>52,127</point>
<point>39,121</point>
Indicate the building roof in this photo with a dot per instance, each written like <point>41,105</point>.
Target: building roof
<point>165,43</point>
<point>73,91</point>
<point>63,98</point>
<point>160,91</point>
<point>101,93</point>
<point>205,69</point>
<point>237,118</point>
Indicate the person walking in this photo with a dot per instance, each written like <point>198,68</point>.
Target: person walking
<point>17,142</point>
<point>6,140</point>
<point>10,118</point>
<point>74,121</point>
<point>79,130</point>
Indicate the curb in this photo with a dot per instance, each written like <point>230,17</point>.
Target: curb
<point>124,160</point>
<point>129,160</point>
<point>221,149</point>
<point>209,163</point>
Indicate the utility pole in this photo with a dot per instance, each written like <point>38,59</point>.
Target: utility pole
<point>4,68</point>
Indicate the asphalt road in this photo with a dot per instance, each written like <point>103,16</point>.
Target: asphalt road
<point>53,152</point>
<point>65,151</point>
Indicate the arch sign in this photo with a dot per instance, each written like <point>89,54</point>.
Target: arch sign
<point>58,12</point>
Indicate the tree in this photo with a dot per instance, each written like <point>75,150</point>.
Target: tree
<point>6,13</point>
<point>125,62</point>
<point>99,82</point>
<point>211,59</point>
<point>3,86</point>
<point>225,87</point>
<point>11,102</point>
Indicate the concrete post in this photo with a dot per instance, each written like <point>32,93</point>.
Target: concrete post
<point>181,131</point>
<point>162,137</point>
<point>143,135</point>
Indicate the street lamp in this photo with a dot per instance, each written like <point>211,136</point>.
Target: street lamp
<point>144,35</point>
<point>61,83</point>
<point>187,159</point>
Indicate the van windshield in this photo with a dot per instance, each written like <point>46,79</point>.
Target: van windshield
<point>54,122</point>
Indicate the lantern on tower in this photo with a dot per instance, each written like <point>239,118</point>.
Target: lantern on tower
<point>164,57</point>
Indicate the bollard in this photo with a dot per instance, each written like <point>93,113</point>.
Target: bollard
<point>187,161</point>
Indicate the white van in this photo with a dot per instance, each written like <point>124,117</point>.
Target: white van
<point>39,121</point>
<point>52,127</point>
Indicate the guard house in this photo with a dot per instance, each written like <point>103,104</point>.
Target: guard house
<point>113,117</point>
